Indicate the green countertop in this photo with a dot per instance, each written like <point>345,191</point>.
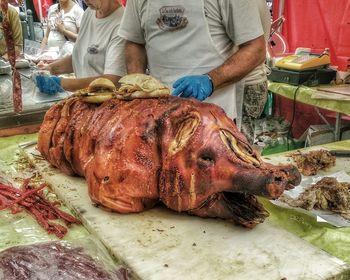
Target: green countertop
<point>303,94</point>
<point>21,229</point>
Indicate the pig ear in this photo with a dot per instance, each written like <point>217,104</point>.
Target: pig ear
<point>241,149</point>
<point>178,129</point>
<point>186,129</point>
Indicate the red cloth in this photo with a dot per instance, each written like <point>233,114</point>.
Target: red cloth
<point>304,115</point>
<point>45,5</point>
<point>123,2</point>
<point>316,24</point>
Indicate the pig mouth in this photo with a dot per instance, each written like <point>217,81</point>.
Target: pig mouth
<point>245,208</point>
<point>241,208</point>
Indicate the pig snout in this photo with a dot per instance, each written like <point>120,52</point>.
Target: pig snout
<point>283,178</point>
<point>267,183</point>
<point>293,175</point>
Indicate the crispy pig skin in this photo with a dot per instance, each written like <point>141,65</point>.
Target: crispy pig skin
<point>184,153</point>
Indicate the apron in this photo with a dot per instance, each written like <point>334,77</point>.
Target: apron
<point>179,44</point>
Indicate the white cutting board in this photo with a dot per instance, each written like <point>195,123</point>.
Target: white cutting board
<point>161,244</point>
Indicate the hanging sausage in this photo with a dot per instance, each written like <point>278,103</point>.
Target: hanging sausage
<point>16,79</point>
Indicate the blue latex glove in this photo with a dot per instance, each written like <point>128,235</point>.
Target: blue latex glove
<point>197,86</point>
<point>47,83</point>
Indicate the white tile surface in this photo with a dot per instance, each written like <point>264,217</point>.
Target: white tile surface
<point>161,244</point>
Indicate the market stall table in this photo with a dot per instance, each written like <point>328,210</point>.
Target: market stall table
<point>306,95</point>
<point>162,244</point>
<point>35,105</point>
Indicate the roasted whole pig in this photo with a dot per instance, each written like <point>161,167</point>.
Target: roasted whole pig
<point>184,153</point>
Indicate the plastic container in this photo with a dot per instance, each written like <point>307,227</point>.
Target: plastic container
<point>268,110</point>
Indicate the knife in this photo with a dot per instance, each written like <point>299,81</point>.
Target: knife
<point>340,153</point>
<point>27,144</point>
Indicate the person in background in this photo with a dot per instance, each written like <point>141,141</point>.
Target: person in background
<point>255,83</point>
<point>98,51</point>
<point>82,4</point>
<point>14,3</point>
<point>16,28</point>
<point>63,24</point>
<point>190,46</point>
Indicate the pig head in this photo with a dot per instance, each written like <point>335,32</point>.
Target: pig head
<point>210,170</point>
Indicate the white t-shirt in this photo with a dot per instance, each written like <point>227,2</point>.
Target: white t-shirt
<point>258,75</point>
<point>71,21</point>
<point>99,49</point>
<point>230,22</point>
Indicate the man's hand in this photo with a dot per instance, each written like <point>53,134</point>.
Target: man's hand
<point>47,83</point>
<point>198,86</point>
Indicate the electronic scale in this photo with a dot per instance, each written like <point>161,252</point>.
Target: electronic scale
<point>309,69</point>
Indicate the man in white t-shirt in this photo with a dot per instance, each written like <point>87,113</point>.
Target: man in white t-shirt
<point>98,51</point>
<point>255,83</point>
<point>189,45</point>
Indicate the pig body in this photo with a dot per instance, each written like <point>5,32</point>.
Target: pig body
<point>187,154</point>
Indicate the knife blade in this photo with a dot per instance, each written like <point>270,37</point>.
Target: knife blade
<point>340,153</point>
<point>27,144</point>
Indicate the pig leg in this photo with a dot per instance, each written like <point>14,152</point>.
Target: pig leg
<point>115,197</point>
<point>125,204</point>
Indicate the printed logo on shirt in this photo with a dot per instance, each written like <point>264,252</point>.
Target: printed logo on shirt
<point>93,49</point>
<point>172,18</point>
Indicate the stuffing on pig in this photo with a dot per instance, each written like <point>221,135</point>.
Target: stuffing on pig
<point>184,153</point>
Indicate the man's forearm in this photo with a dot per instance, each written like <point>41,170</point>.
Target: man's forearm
<point>236,67</point>
<point>62,66</point>
<point>136,60</point>
<point>76,84</point>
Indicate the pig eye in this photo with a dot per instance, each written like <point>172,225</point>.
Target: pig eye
<point>207,157</point>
